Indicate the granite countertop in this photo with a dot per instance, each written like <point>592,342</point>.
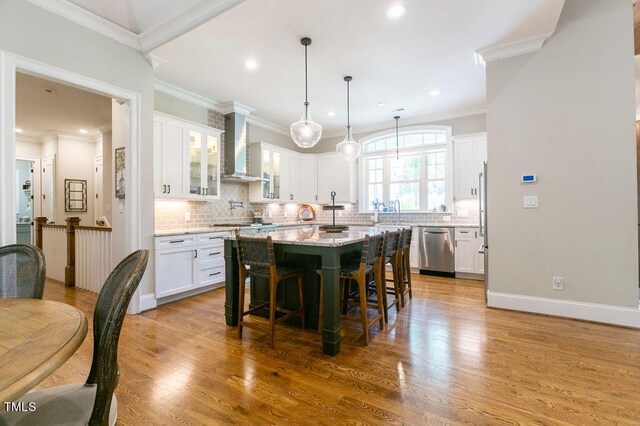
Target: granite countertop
<point>220,228</point>
<point>312,236</point>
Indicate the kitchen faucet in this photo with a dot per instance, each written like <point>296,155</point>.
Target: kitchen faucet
<point>396,203</point>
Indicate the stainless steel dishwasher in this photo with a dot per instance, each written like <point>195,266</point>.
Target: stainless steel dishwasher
<point>437,250</point>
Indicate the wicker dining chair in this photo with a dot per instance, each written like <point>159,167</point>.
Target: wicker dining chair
<point>392,256</point>
<point>93,402</point>
<point>256,258</point>
<point>358,271</point>
<point>22,272</point>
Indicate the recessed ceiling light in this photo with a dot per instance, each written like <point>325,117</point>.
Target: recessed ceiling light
<point>251,64</point>
<point>396,11</point>
<point>83,131</point>
<point>434,92</point>
<point>331,113</point>
<point>380,103</point>
<point>18,130</point>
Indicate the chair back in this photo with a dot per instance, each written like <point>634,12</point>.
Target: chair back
<point>255,252</point>
<point>22,271</point>
<point>108,317</point>
<point>405,242</point>
<point>391,243</point>
<point>372,249</point>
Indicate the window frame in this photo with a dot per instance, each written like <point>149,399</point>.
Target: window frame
<point>387,154</point>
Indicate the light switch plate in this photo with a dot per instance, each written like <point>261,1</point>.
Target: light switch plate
<point>530,202</point>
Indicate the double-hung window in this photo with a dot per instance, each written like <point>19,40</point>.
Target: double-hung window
<point>417,172</point>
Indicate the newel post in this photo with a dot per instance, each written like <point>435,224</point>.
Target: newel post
<point>70,269</point>
<point>40,221</point>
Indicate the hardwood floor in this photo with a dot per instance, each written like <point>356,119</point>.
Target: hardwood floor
<point>445,359</point>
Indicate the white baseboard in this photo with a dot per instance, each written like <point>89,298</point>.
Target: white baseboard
<point>148,301</point>
<point>618,315</point>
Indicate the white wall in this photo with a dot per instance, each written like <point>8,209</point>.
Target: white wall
<point>35,33</point>
<point>171,105</point>
<point>28,149</point>
<point>459,126</point>
<point>108,176</point>
<point>74,160</point>
<point>567,114</point>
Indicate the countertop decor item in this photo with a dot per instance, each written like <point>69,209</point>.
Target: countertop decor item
<point>348,148</point>
<point>333,228</point>
<point>305,133</point>
<point>306,213</point>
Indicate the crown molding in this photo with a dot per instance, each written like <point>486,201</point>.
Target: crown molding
<point>104,128</point>
<point>90,20</point>
<point>186,95</point>
<point>234,106</point>
<point>189,19</point>
<point>192,17</point>
<point>502,51</point>
<point>154,60</point>
<point>31,139</point>
<point>267,125</point>
<point>411,121</point>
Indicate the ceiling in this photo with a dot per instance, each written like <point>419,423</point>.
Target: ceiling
<point>136,16</point>
<point>66,110</point>
<point>396,62</point>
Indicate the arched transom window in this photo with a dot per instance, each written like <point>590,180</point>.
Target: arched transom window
<point>417,172</point>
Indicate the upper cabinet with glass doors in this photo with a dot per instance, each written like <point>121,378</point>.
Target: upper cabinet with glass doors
<point>186,159</point>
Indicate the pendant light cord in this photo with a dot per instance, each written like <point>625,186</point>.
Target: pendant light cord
<point>397,117</point>
<point>348,108</point>
<point>306,90</point>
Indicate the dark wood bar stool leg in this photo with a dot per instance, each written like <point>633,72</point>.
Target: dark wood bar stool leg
<point>321,303</point>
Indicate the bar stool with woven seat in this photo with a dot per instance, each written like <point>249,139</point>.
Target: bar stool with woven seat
<point>392,256</point>
<point>256,258</point>
<point>405,264</point>
<point>358,271</point>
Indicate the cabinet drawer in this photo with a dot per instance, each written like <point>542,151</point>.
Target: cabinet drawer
<point>210,252</point>
<point>175,241</point>
<point>212,239</point>
<point>466,232</point>
<point>210,261</point>
<point>208,276</point>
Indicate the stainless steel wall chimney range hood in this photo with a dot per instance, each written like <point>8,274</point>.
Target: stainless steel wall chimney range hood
<point>235,149</point>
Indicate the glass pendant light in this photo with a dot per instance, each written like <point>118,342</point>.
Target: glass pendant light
<point>305,133</point>
<point>397,117</point>
<point>348,148</point>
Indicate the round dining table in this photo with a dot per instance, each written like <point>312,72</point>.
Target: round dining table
<point>36,337</point>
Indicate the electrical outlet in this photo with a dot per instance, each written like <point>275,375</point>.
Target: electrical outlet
<point>558,283</point>
<point>187,216</point>
<point>339,214</point>
<point>286,213</point>
<point>270,215</point>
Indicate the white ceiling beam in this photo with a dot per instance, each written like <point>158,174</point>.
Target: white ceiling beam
<point>191,18</point>
<point>90,20</point>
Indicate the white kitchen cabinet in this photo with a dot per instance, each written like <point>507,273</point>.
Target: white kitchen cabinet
<point>204,161</point>
<point>186,159</point>
<point>469,154</point>
<point>266,161</point>
<point>170,142</point>
<point>335,174</point>
<point>175,266</point>
<point>468,260</point>
<point>189,264</point>
<point>307,179</point>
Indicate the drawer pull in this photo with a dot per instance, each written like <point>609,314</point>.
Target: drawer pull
<point>215,238</point>
<point>176,241</point>
<point>213,254</point>
<point>215,273</point>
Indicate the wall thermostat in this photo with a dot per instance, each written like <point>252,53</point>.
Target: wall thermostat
<point>528,178</point>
